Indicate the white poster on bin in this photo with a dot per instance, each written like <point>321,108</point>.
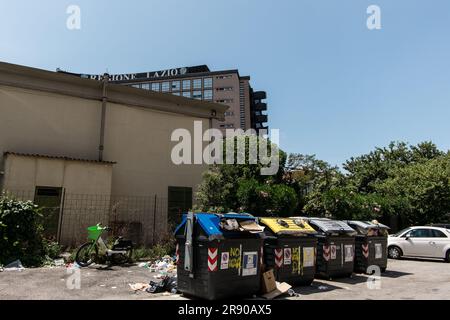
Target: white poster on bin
<point>378,251</point>
<point>308,257</point>
<point>249,267</point>
<point>348,253</point>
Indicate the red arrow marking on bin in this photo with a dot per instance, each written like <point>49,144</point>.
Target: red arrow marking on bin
<point>278,257</point>
<point>365,250</point>
<point>212,259</point>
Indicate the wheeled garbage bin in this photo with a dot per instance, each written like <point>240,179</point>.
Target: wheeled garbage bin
<point>370,246</point>
<point>289,249</point>
<point>219,255</point>
<point>335,247</point>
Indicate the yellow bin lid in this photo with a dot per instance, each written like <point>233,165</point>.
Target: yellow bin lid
<point>287,226</point>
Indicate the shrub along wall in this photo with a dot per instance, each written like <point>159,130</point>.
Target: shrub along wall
<point>20,232</point>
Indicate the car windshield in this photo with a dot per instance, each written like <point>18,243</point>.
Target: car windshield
<point>400,232</point>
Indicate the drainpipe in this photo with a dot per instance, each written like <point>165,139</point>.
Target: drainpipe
<point>102,124</point>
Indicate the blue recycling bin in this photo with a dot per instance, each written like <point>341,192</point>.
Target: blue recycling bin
<point>219,255</point>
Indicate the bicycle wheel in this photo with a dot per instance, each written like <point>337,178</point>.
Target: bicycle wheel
<point>86,254</point>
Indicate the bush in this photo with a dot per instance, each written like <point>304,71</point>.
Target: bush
<point>20,232</point>
<point>165,247</point>
<point>52,249</point>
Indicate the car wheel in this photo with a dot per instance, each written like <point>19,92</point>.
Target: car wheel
<point>394,252</point>
<point>447,256</point>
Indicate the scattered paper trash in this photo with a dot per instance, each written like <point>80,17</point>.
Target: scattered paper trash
<point>139,286</point>
<point>323,288</point>
<point>14,266</point>
<point>281,288</point>
<point>292,293</point>
<point>58,262</point>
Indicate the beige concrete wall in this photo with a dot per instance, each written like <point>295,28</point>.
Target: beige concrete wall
<point>138,139</point>
<point>44,123</point>
<point>25,173</point>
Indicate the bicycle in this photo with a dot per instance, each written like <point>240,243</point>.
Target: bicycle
<point>120,252</point>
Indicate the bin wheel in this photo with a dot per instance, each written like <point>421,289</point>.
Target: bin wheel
<point>395,252</point>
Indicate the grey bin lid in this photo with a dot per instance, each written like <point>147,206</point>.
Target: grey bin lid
<point>331,226</point>
<point>366,225</point>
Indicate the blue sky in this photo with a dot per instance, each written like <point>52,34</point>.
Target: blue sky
<point>335,88</point>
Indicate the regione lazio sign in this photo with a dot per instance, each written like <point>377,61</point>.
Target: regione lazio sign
<point>140,76</point>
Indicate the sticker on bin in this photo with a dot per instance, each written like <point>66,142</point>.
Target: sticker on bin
<point>177,253</point>
<point>212,259</point>
<point>250,263</point>
<point>378,251</point>
<point>365,250</point>
<point>279,257</point>
<point>333,252</point>
<point>224,259</point>
<point>348,253</point>
<point>326,253</point>
<point>287,255</point>
<point>308,257</point>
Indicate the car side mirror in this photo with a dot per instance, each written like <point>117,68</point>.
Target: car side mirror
<point>407,238</point>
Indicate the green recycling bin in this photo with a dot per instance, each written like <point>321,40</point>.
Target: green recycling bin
<point>219,255</point>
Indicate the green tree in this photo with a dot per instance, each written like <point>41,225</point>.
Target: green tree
<point>242,188</point>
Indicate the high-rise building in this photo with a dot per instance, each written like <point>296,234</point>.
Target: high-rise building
<point>246,107</point>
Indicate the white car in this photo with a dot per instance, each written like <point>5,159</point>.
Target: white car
<point>427,242</point>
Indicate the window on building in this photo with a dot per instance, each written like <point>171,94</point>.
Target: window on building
<point>207,95</point>
<point>137,85</point>
<point>227,125</point>
<point>187,94</point>
<point>146,86</point>
<point>229,113</point>
<point>179,201</point>
<point>197,95</point>
<point>49,200</point>
<point>228,76</point>
<point>197,83</point>
<point>225,101</point>
<point>186,84</point>
<point>165,86</point>
<point>155,86</point>
<point>225,89</point>
<point>207,83</point>
<point>176,93</point>
<point>175,85</point>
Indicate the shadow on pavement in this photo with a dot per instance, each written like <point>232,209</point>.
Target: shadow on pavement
<point>355,279</point>
<point>394,274</point>
<point>315,287</point>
